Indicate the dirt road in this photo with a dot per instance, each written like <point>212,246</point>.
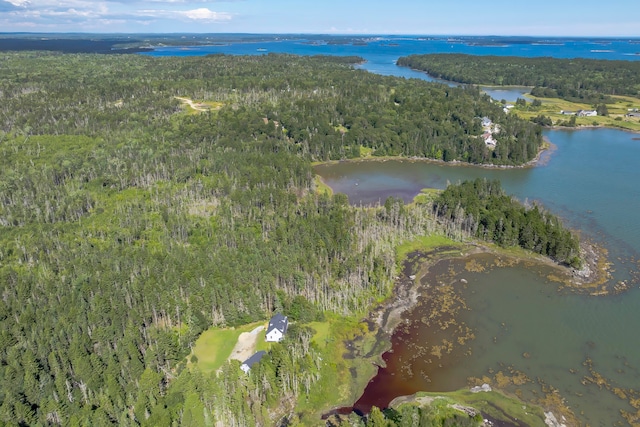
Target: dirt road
<point>246,345</point>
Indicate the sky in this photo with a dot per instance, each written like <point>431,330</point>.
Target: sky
<point>418,17</point>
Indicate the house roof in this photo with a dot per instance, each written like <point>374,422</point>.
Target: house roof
<point>254,359</point>
<point>278,322</point>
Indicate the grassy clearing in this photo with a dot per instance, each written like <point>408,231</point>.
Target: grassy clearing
<point>618,109</point>
<point>214,346</point>
<point>426,196</point>
<point>494,404</point>
<point>321,336</point>
<point>366,151</point>
<point>321,186</point>
<point>196,107</point>
<point>424,244</point>
<point>342,380</point>
<point>261,344</point>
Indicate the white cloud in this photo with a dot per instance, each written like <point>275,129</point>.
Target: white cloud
<point>207,15</point>
<point>19,3</point>
<point>73,13</point>
<point>202,14</point>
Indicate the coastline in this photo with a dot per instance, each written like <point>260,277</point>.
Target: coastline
<point>541,158</point>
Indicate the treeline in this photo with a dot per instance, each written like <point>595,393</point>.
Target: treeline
<point>578,80</point>
<point>322,107</point>
<point>129,227</point>
<point>482,209</point>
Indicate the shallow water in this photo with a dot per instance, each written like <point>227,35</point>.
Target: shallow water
<point>521,321</point>
<point>521,324</point>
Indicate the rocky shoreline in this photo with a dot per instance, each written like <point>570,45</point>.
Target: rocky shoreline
<point>593,278</point>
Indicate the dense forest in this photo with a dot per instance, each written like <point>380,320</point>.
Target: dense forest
<point>130,225</point>
<point>325,112</point>
<point>482,209</point>
<point>576,79</point>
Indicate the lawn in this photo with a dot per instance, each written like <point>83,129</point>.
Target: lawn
<point>261,344</point>
<point>322,332</point>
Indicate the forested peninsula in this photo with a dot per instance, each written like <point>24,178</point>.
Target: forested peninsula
<point>484,210</point>
<point>575,79</point>
<point>144,201</point>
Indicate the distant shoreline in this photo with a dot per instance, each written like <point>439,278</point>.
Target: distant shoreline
<point>536,161</point>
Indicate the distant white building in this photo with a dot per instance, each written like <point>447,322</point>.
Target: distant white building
<point>277,328</point>
<point>587,113</point>
<point>486,121</point>
<point>247,364</point>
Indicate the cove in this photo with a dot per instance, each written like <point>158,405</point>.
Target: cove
<point>521,321</point>
<point>589,180</point>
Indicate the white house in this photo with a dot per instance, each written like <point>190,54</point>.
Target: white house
<point>247,364</point>
<point>488,139</point>
<point>277,328</point>
<point>587,113</point>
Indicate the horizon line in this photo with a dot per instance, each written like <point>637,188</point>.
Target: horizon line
<point>320,34</point>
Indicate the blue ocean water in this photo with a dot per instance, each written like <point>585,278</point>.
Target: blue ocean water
<point>381,52</point>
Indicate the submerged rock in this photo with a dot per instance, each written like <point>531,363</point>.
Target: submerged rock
<point>483,387</point>
<point>551,420</point>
